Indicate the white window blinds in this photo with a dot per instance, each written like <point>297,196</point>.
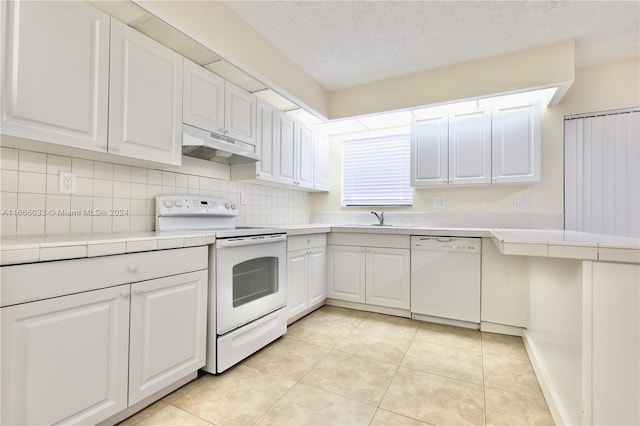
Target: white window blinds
<point>375,172</point>
<point>602,173</point>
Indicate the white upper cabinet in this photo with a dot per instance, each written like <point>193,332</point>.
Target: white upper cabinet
<point>321,153</point>
<point>304,157</point>
<point>145,97</point>
<point>239,114</point>
<point>55,66</point>
<point>470,148</point>
<point>452,149</point>
<point>203,98</point>
<point>267,141</point>
<point>290,152</point>
<point>212,103</point>
<point>476,147</point>
<point>430,151</point>
<point>516,144</point>
<point>286,154</point>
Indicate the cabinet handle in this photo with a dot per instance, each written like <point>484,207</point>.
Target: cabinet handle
<point>133,269</point>
<point>138,291</point>
<point>124,294</point>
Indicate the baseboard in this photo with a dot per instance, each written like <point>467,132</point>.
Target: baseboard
<point>492,327</point>
<point>446,321</point>
<point>369,308</point>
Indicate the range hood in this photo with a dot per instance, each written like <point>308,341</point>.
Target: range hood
<point>209,146</point>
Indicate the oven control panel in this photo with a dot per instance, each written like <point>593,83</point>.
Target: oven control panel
<point>191,205</point>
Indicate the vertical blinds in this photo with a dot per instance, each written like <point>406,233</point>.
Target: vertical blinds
<point>375,172</point>
<point>602,174</point>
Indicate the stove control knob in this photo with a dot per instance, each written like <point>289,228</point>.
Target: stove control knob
<point>226,206</point>
<point>167,203</point>
<point>177,203</point>
<point>233,206</point>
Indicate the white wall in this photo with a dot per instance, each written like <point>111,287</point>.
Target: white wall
<point>601,87</point>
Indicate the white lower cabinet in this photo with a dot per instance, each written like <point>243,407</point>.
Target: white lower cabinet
<point>504,290</point>
<point>346,273</point>
<point>374,270</point>
<point>388,275</point>
<point>82,358</point>
<point>306,266</point>
<point>168,322</point>
<point>65,360</point>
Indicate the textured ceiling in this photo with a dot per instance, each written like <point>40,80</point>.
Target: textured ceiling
<point>347,43</point>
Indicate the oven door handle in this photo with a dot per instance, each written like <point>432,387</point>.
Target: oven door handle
<point>250,241</point>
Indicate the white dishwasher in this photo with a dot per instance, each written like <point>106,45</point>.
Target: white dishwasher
<point>445,280</point>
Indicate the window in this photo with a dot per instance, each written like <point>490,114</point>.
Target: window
<point>375,172</point>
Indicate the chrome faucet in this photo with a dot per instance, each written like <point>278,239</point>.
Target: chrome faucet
<point>380,217</point>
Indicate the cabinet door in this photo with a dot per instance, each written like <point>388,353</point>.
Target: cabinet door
<point>321,149</point>
<point>346,273</point>
<point>266,142</point>
<point>515,142</point>
<point>317,260</point>
<point>304,157</point>
<point>168,331</point>
<point>240,114</point>
<point>56,73</point>
<point>470,148</point>
<point>297,284</point>
<point>145,97</point>
<point>64,360</point>
<point>286,157</point>
<point>388,277</point>
<point>203,98</point>
<point>429,151</point>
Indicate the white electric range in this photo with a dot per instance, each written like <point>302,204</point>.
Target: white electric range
<point>247,276</point>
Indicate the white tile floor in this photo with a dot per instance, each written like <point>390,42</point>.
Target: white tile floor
<point>345,367</point>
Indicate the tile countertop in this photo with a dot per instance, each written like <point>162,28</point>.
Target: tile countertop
<point>523,242</point>
<point>16,250</point>
<point>527,242</point>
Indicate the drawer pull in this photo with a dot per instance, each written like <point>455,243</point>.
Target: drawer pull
<point>124,294</point>
<point>133,269</point>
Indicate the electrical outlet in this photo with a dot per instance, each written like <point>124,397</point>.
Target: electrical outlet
<point>243,198</point>
<point>521,202</point>
<point>439,202</point>
<point>67,183</point>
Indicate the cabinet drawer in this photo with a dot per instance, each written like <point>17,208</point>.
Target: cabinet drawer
<point>29,282</point>
<point>301,242</point>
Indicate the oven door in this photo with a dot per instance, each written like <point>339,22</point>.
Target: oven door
<point>250,279</point>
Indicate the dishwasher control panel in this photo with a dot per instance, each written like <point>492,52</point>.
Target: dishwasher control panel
<point>447,244</point>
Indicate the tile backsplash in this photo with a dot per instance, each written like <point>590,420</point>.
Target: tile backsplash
<point>32,204</point>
